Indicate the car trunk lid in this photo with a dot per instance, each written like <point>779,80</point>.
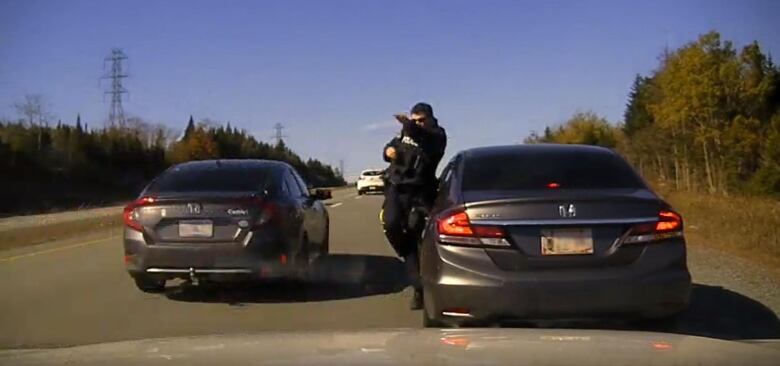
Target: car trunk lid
<point>206,217</point>
<point>531,218</point>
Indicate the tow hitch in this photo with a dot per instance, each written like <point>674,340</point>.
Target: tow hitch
<point>193,279</point>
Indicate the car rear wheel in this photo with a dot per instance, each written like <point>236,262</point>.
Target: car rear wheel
<point>149,285</point>
<point>326,241</point>
<point>429,322</point>
<point>303,260</point>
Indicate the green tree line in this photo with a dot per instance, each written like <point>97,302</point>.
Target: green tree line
<point>707,119</point>
<point>59,166</point>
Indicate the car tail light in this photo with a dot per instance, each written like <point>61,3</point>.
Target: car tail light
<point>130,214</point>
<point>669,225</point>
<point>456,224</point>
<point>455,228</point>
<point>668,221</point>
<point>269,212</point>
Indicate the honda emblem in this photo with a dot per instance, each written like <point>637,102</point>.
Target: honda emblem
<point>194,208</point>
<point>567,210</point>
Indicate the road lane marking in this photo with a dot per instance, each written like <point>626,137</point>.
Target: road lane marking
<point>358,197</point>
<point>337,204</point>
<point>57,249</point>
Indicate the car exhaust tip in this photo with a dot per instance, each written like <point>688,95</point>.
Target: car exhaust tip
<point>457,313</point>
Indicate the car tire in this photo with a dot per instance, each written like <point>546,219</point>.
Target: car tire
<point>660,323</point>
<point>149,285</point>
<point>303,260</point>
<point>325,248</point>
<point>360,193</point>
<point>428,322</point>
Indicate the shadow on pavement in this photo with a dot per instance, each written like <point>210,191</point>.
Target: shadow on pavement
<point>713,312</point>
<point>720,313</point>
<point>337,276</point>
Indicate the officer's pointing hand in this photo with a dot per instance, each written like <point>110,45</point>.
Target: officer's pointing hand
<point>401,117</point>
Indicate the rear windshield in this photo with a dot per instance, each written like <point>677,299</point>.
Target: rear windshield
<point>372,173</point>
<point>547,169</point>
<point>214,179</point>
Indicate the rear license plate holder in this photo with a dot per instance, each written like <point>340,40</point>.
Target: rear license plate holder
<point>196,229</point>
<point>577,241</point>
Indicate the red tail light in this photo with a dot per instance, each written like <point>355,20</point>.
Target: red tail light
<point>457,229</point>
<point>669,225</point>
<point>456,224</point>
<point>668,221</point>
<point>270,214</point>
<point>269,211</point>
<point>130,215</point>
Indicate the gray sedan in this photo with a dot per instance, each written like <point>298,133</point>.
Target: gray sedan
<point>531,232</point>
<point>222,220</point>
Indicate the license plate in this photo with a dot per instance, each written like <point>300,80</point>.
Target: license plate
<point>567,241</point>
<point>196,229</point>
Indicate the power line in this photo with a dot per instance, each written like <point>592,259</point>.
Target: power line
<point>278,133</point>
<point>116,115</point>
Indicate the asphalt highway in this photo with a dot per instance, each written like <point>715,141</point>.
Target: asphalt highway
<point>77,292</point>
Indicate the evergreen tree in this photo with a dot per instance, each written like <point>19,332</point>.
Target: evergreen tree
<point>190,129</point>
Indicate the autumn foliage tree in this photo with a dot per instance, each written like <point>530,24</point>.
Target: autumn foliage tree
<point>72,165</point>
<point>708,118</point>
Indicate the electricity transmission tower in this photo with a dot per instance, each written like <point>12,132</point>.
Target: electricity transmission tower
<point>278,133</point>
<point>116,116</point>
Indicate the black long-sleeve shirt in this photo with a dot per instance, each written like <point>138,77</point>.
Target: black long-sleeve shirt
<point>418,152</point>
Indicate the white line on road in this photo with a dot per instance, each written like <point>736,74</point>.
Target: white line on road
<point>58,249</point>
<point>337,204</point>
<point>358,197</point>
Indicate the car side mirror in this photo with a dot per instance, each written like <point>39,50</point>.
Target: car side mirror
<point>321,194</point>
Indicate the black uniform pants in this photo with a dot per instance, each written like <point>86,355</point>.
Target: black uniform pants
<point>403,222</point>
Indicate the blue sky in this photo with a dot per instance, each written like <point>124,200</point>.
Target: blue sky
<point>335,71</point>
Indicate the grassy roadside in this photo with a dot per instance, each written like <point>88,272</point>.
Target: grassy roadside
<point>745,226</point>
<point>37,234</point>
<point>10,239</point>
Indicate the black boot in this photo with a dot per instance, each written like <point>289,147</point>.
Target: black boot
<point>417,300</point>
<point>413,273</point>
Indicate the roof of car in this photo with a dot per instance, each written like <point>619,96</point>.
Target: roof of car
<point>234,163</point>
<point>536,148</point>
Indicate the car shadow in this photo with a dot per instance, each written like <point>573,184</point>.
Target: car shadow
<point>720,313</point>
<point>334,277</point>
<point>713,312</point>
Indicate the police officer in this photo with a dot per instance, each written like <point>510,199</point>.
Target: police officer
<point>411,185</point>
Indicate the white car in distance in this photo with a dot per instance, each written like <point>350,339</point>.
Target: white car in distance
<point>370,180</point>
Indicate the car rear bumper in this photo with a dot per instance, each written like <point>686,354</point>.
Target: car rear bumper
<point>371,186</point>
<point>258,259</point>
<point>656,285</point>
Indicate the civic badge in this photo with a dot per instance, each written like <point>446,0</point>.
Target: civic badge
<point>237,212</point>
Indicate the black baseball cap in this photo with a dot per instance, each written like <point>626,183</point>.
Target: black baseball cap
<point>423,108</point>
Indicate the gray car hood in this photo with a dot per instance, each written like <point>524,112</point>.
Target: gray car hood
<point>412,346</point>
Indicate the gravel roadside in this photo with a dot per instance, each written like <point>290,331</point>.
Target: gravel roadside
<point>714,267</point>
